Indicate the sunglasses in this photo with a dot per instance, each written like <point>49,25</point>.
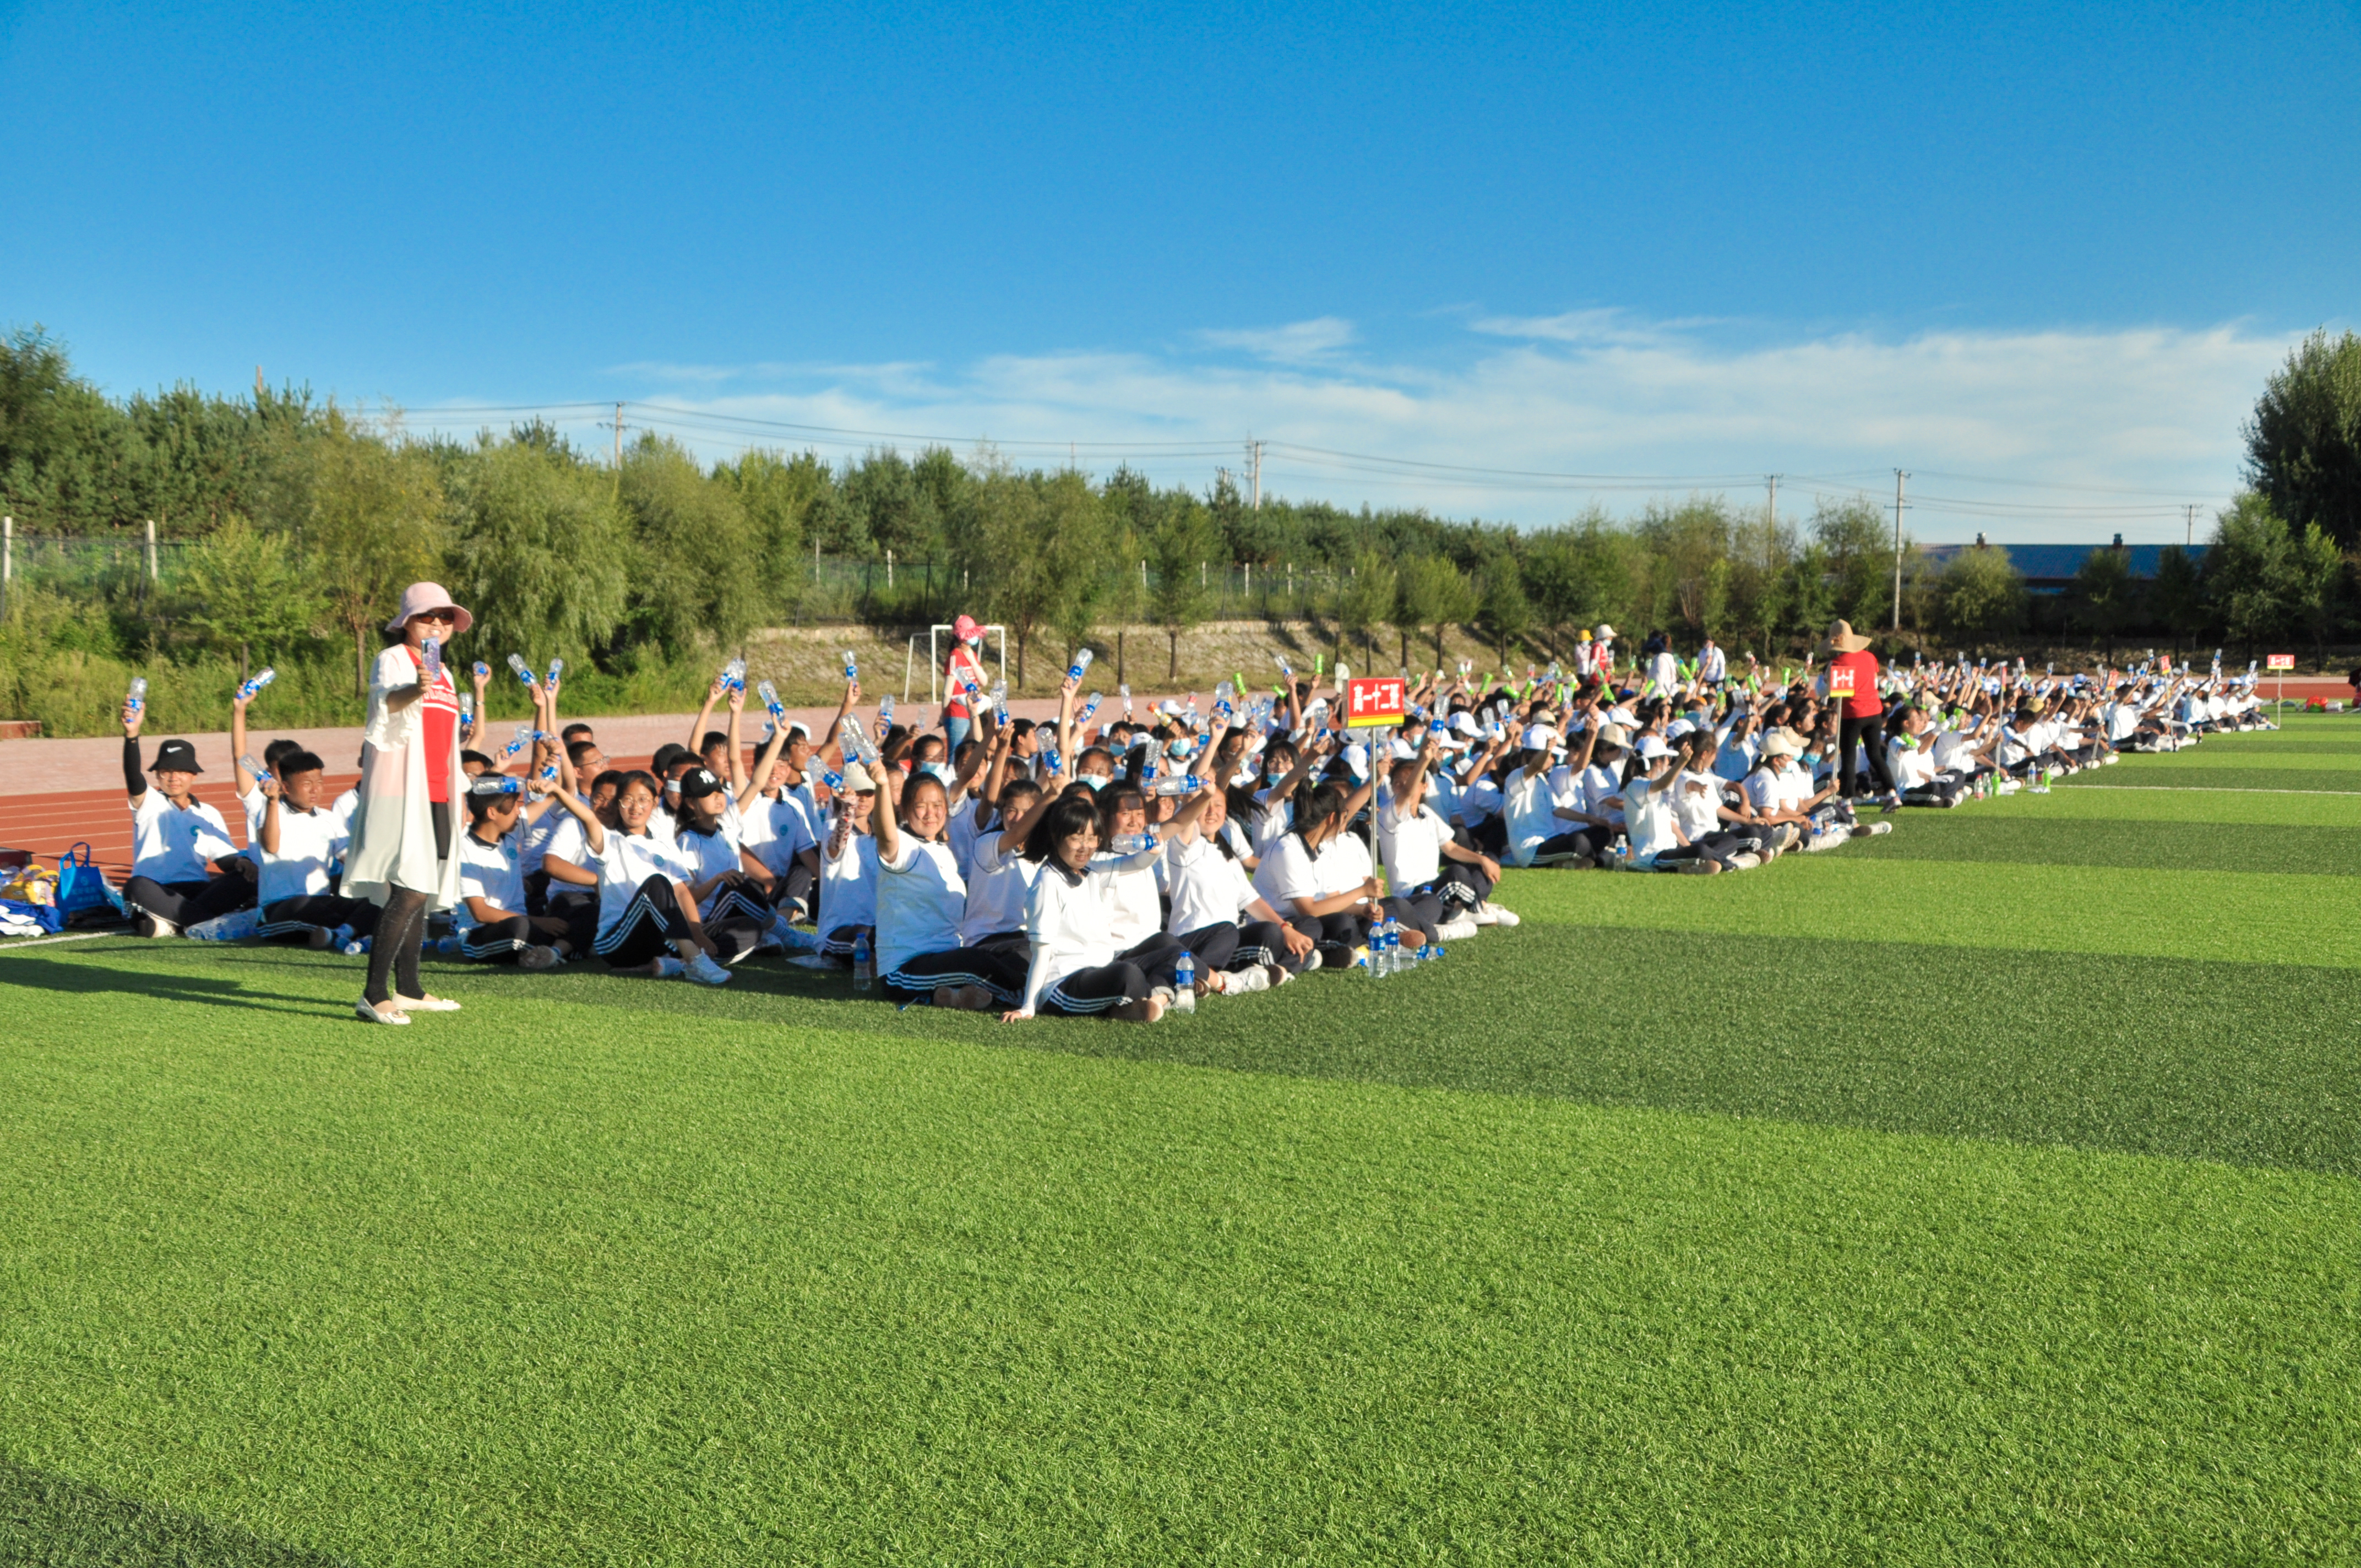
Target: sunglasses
<point>447,617</point>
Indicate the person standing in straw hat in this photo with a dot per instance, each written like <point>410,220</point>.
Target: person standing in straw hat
<point>1852,686</point>
<point>403,854</point>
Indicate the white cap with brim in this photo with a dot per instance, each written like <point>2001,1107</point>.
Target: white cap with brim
<point>857,779</point>
<point>1538,738</point>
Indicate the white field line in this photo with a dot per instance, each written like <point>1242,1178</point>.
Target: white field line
<point>45,941</point>
<point>2212,789</point>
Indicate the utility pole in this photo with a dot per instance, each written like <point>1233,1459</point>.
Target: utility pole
<point>1772,480</point>
<point>2190,538</point>
<point>619,437</point>
<point>1254,469</point>
<point>1901,477</point>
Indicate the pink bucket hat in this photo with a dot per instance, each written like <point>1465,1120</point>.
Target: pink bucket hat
<point>420,597</point>
<point>966,630</point>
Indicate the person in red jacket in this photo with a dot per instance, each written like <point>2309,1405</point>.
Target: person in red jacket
<point>1852,686</point>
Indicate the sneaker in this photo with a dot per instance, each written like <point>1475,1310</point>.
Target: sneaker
<point>1499,916</point>
<point>1248,982</point>
<point>319,938</point>
<point>1275,975</point>
<point>540,958</point>
<point>1742,861</point>
<point>1872,830</point>
<point>791,938</point>
<point>705,971</point>
<point>1485,915</point>
<point>1312,961</point>
<point>812,960</point>
<point>1701,867</point>
<point>1458,930</point>
<point>1162,993</point>
<point>670,968</point>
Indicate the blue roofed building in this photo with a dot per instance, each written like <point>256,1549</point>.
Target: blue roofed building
<point>2050,568</point>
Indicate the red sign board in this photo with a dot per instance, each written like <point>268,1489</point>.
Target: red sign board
<point>2279,662</point>
<point>1841,680</point>
<point>1372,700</point>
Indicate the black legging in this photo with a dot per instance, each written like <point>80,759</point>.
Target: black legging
<point>1869,734</point>
<point>187,904</point>
<point>401,928</point>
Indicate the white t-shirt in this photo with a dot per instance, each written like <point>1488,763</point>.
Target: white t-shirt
<point>630,860</point>
<point>1135,903</point>
<point>1913,767</point>
<point>997,889</point>
<point>493,872</point>
<point>847,884</point>
<point>706,855</point>
<point>1774,788</point>
<point>920,898</point>
<point>170,845</point>
<point>1531,812</point>
<point>1695,800</point>
<point>1288,872</point>
<point>309,844</point>
<point>1208,886</point>
<point>1647,819</point>
<point>1412,845</point>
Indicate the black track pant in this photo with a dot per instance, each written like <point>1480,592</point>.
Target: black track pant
<point>994,968</point>
<point>1870,733</point>
<point>504,940</point>
<point>1461,886</point>
<point>1214,946</point>
<point>1337,935</point>
<point>794,886</point>
<point>1089,992</point>
<point>740,903</point>
<point>296,916</point>
<point>1263,942</point>
<point>187,904</point>
<point>1419,909</point>
<point>648,928</point>
<point>1491,836</point>
<point>1579,844</point>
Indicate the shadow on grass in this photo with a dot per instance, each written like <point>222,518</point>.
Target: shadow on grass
<point>91,980</point>
<point>51,1522</point>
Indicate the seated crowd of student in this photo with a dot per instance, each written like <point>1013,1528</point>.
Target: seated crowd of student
<point>1059,868</point>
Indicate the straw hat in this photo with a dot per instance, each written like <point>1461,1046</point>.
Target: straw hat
<point>1845,640</point>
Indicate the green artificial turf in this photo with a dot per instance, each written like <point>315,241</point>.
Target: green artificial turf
<point>1934,1200</point>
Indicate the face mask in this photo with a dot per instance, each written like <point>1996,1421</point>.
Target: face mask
<point>938,772</point>
<point>1093,782</point>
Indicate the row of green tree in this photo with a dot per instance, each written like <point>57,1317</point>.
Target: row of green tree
<point>294,525</point>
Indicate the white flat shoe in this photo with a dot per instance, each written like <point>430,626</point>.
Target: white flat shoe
<point>425,1004</point>
<point>388,1013</point>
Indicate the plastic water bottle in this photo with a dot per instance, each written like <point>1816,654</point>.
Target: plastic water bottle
<point>1123,691</point>
<point>1286,670</point>
<point>1184,984</point>
<point>520,740</point>
<point>137,697</point>
<point>524,673</point>
<point>494,783</point>
<point>253,770</point>
<point>467,708</point>
<point>834,780</point>
<point>1393,947</point>
<point>1177,783</point>
<point>265,676</point>
<point>770,695</point>
<point>1081,663</point>
<point>481,671</point>
<point>1131,843</point>
<point>1090,706</point>
<point>862,966</point>
<point>430,658</point>
<point>556,668</point>
<point>734,675</point>
<point>1000,695</point>
<point>885,713</point>
<point>851,668</point>
<point>357,946</point>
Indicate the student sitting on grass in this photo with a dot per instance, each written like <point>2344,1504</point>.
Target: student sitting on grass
<point>173,835</point>
<point>647,922</point>
<point>920,902</point>
<point>301,841</point>
<point>848,874</point>
<point>1240,943</point>
<point>1074,968</point>
<point>490,916</point>
<point>731,887</point>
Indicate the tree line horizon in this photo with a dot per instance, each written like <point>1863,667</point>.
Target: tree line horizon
<point>295,521</point>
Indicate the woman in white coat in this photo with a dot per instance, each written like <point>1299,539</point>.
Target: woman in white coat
<point>403,855</point>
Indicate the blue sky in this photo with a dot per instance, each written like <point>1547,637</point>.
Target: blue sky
<point>2052,246</point>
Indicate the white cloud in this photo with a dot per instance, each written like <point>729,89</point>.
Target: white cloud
<point>1633,409</point>
<point>1298,343</point>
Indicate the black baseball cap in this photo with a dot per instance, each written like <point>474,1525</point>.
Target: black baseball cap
<point>175,756</point>
<point>700,782</point>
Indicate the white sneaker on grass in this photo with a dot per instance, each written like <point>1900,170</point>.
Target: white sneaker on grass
<point>670,968</point>
<point>1490,913</point>
<point>705,971</point>
<point>1459,930</point>
<point>1249,981</point>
